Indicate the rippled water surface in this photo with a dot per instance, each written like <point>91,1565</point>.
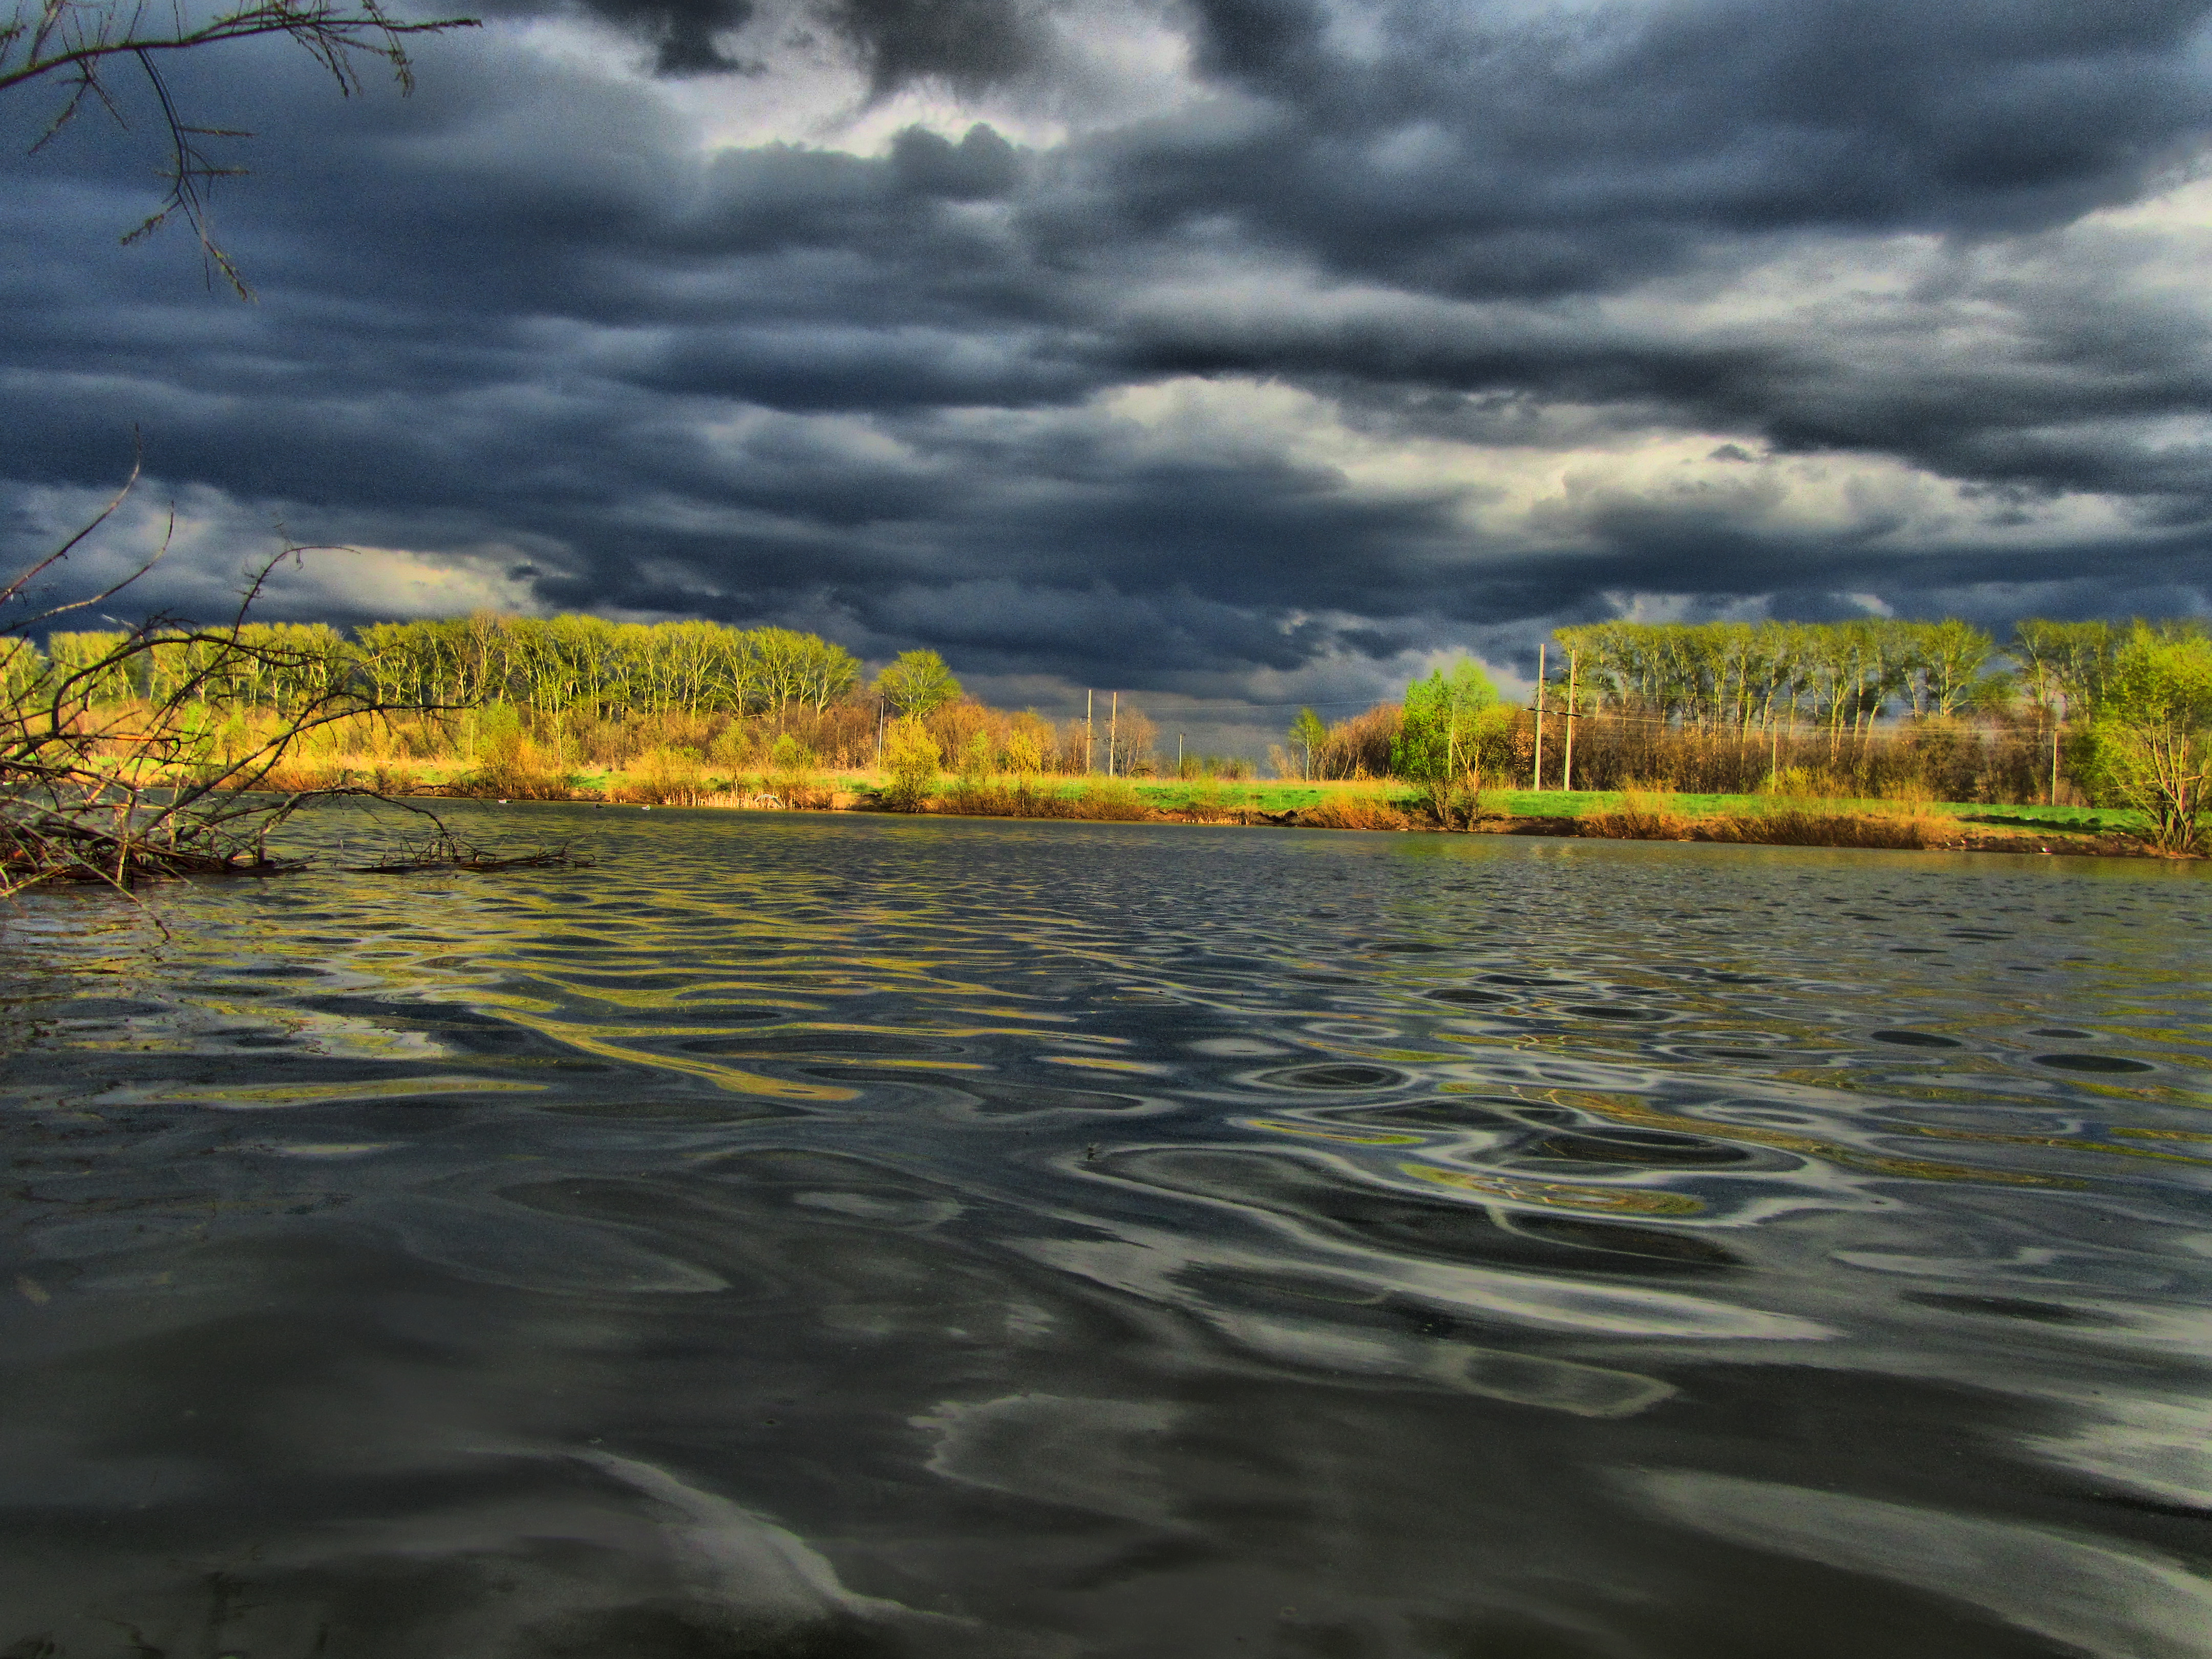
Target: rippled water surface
<point>842,1236</point>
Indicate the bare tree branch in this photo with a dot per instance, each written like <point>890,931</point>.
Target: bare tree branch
<point>76,41</point>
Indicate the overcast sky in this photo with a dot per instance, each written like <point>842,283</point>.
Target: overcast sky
<point>1232,353</point>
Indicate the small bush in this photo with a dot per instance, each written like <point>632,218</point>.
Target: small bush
<point>1113,802</point>
<point>1346,811</point>
<point>1022,798</point>
<point>1641,815</point>
<point>790,767</point>
<point>1799,827</point>
<point>732,746</point>
<point>1025,750</point>
<point>1800,783</point>
<point>974,769</point>
<point>512,767</point>
<point>911,757</point>
<point>1209,767</point>
<point>663,777</point>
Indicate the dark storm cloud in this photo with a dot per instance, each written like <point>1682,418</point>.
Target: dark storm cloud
<point>686,35</point>
<point>966,45</point>
<point>876,393</point>
<point>1480,158</point>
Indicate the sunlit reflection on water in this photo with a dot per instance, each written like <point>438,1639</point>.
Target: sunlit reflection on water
<point>826,1236</point>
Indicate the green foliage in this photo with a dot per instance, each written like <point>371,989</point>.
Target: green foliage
<point>1994,693</point>
<point>732,746</point>
<point>1453,731</point>
<point>1308,734</point>
<point>1941,663</point>
<point>1718,676</point>
<point>139,753</point>
<point>588,668</point>
<point>1235,767</point>
<point>1739,675</point>
<point>510,764</point>
<point>789,763</point>
<point>493,731</point>
<point>2149,744</point>
<point>916,683</point>
<point>974,766</point>
<point>668,775</point>
<point>911,757</point>
<point>2068,659</point>
<point>1025,751</point>
<point>1436,738</point>
<point>1114,801</point>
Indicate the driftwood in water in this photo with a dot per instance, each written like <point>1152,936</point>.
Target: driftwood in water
<point>446,851</point>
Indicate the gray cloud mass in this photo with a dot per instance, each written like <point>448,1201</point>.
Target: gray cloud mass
<point>1230,351</point>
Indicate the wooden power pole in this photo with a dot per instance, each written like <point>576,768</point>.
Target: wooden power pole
<point>1537,780</point>
<point>1567,777</point>
<point>2056,727</point>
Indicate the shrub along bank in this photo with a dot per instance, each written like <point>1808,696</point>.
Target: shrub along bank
<point>1620,815</point>
<point>1839,734</point>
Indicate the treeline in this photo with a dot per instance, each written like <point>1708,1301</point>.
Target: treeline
<point>1841,677</point>
<point>1872,707</point>
<point>1868,707</point>
<point>280,666</point>
<point>537,695</point>
<point>588,667</point>
<point>553,668</point>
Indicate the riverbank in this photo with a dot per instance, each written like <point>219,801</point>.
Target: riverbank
<point>1610,815</point>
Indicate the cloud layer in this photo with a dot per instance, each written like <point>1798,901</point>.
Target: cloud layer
<point>1234,352</point>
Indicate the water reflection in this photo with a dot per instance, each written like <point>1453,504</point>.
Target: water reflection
<point>800,1235</point>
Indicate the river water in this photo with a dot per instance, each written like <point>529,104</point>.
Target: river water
<point>842,1236</point>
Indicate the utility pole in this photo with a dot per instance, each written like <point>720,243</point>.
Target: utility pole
<point>1537,781</point>
<point>1567,778</point>
<point>1113,729</point>
<point>1178,754</point>
<point>2055,726</point>
<point>1089,760</point>
<point>1451,770</point>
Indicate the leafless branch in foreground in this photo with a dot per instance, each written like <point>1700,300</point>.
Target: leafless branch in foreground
<point>76,42</point>
<point>130,760</point>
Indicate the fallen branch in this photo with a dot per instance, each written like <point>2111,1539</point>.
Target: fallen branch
<point>120,764</point>
<point>446,851</point>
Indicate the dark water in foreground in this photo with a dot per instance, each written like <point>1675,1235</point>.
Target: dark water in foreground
<point>812,1235</point>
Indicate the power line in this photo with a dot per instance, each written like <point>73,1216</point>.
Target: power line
<point>1338,702</point>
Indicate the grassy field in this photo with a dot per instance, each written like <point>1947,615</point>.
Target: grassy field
<point>1279,797</point>
<point>1521,802</point>
<point>1208,798</point>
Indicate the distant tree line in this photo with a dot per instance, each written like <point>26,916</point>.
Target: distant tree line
<point>1868,707</point>
<point>280,666</point>
<point>546,693</point>
<point>1872,705</point>
<point>1841,677</point>
<point>551,668</point>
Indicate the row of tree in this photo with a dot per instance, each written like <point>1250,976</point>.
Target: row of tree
<point>1842,676</point>
<point>1716,708</point>
<point>589,690</point>
<point>1714,705</point>
<point>556,667</point>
